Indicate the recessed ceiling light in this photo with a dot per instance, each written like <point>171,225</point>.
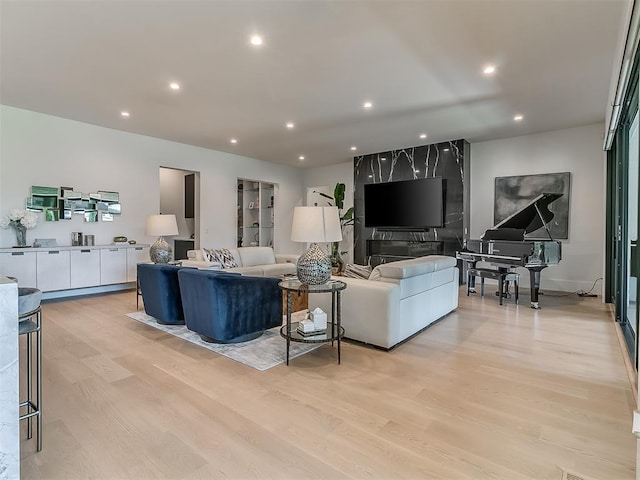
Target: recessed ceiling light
<point>417,171</point>
<point>367,105</point>
<point>174,86</point>
<point>423,135</point>
<point>354,148</point>
<point>301,157</point>
<point>370,176</point>
<point>290,125</point>
<point>256,40</point>
<point>234,140</point>
<point>489,69</point>
<point>445,149</point>
<point>383,158</point>
<point>518,117</point>
<point>125,114</point>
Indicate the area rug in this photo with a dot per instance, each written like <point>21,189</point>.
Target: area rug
<point>262,353</point>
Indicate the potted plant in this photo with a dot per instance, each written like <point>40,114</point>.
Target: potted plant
<point>346,220</point>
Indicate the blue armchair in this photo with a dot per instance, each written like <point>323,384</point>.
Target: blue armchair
<point>161,292</point>
<point>225,307</point>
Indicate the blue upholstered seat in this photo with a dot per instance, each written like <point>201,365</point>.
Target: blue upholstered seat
<point>227,307</point>
<point>161,292</point>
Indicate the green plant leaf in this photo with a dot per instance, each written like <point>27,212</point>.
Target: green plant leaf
<point>338,195</point>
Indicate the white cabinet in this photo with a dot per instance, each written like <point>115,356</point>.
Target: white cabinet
<point>21,265</point>
<point>113,266</point>
<point>135,255</point>
<point>63,268</point>
<point>53,270</point>
<point>85,268</point>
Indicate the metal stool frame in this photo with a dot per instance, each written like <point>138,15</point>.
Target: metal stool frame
<point>504,276</point>
<point>28,327</point>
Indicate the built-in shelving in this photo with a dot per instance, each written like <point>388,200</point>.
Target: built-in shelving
<point>255,213</point>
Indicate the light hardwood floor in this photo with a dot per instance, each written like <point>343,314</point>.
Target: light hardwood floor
<point>488,392</point>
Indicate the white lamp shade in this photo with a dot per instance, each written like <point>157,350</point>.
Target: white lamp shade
<point>316,224</point>
<point>159,225</point>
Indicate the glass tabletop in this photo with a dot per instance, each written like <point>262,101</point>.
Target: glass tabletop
<point>297,286</point>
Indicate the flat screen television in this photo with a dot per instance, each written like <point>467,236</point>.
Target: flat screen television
<point>405,205</point>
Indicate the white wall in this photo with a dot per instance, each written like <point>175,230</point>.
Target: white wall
<point>576,150</point>
<point>38,149</point>
<point>328,176</point>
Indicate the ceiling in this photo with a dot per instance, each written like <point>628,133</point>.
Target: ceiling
<point>419,62</point>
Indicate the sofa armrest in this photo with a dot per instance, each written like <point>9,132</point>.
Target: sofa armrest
<point>284,258</point>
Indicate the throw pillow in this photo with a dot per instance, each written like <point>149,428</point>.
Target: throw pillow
<point>221,255</point>
<point>209,255</point>
<point>226,258</point>
<point>357,271</point>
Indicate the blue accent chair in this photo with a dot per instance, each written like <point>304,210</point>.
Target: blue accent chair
<point>161,292</point>
<point>224,307</point>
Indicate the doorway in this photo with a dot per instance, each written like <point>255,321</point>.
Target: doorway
<point>180,196</point>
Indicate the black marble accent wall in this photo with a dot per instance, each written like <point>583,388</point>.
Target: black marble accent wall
<point>449,160</point>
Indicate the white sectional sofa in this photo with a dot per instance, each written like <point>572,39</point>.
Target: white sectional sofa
<point>398,300</point>
<point>256,261</point>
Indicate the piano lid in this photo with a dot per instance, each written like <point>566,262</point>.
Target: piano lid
<point>531,218</point>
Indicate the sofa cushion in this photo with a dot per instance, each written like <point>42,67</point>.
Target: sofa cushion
<point>251,256</point>
<point>412,267</point>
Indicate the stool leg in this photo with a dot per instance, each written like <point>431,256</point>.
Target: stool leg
<point>517,288</point>
<point>39,380</point>
<point>29,387</point>
<point>482,286</point>
<point>468,283</point>
<point>500,287</point>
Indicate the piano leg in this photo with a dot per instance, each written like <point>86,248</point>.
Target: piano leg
<point>534,280</point>
<point>471,287</point>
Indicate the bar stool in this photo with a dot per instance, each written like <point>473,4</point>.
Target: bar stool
<point>28,310</point>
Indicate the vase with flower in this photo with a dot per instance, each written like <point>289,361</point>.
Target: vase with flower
<point>20,221</point>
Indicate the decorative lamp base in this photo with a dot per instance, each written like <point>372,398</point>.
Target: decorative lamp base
<point>160,251</point>
<point>314,266</point>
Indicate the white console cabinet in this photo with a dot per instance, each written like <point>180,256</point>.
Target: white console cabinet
<point>62,271</point>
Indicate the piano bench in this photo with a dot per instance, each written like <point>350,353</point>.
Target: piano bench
<point>503,276</point>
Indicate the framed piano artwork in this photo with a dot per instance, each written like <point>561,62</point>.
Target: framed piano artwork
<point>512,194</point>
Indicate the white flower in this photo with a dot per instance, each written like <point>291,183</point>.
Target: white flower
<point>29,220</point>
<point>16,215</point>
<point>19,218</point>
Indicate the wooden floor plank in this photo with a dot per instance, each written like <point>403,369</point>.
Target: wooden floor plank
<point>487,392</point>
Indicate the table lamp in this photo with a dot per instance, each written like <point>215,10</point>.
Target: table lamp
<point>159,225</point>
<point>314,225</point>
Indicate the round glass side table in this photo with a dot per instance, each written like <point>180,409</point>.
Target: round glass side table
<point>334,331</point>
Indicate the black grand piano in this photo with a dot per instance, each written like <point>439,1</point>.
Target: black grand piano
<point>504,245</point>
